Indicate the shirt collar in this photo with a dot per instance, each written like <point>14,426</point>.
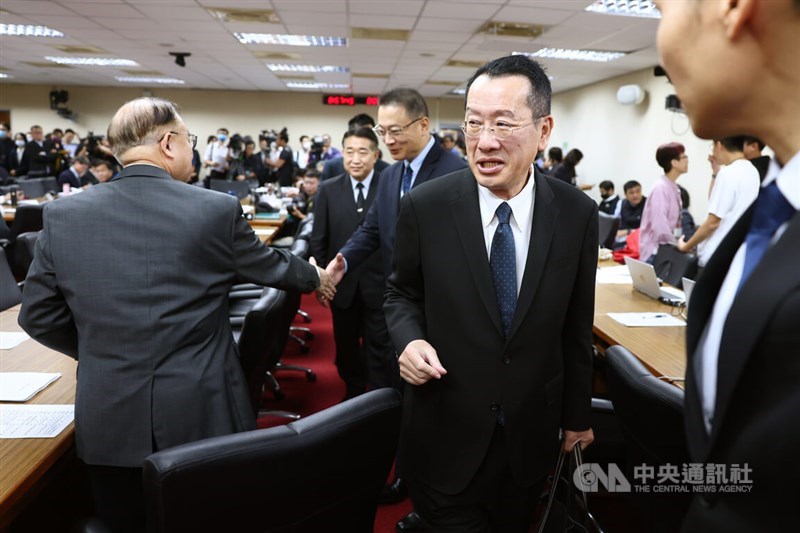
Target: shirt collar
<point>521,205</point>
<point>416,163</point>
<point>788,179</point>
<point>366,181</point>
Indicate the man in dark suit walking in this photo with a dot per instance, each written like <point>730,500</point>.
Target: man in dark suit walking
<point>404,125</point>
<point>491,302</point>
<point>357,308</point>
<point>742,337</point>
<point>139,296</point>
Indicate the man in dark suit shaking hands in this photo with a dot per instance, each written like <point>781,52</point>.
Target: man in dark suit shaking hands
<point>491,302</point>
<point>357,308</point>
<point>742,337</point>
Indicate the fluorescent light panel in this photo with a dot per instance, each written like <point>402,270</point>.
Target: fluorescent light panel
<point>93,61</point>
<point>3,75</point>
<point>573,55</point>
<point>316,85</point>
<point>150,79</point>
<point>289,40</point>
<point>24,30</point>
<point>626,8</point>
<point>283,67</point>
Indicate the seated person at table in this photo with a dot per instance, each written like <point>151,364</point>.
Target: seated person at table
<point>630,212</point>
<point>102,172</point>
<point>610,203</point>
<point>72,176</point>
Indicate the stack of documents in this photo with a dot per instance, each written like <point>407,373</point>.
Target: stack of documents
<point>22,386</point>
<point>647,319</point>
<point>615,274</point>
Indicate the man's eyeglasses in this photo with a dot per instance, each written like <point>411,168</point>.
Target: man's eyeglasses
<point>192,138</point>
<point>394,131</point>
<point>473,128</point>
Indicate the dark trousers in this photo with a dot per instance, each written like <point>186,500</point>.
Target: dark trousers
<point>363,350</point>
<point>118,497</point>
<point>491,502</point>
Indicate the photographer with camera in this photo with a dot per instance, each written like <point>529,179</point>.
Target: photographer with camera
<point>247,166</point>
<point>283,161</point>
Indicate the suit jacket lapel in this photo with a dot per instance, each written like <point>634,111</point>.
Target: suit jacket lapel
<point>545,215</point>
<point>750,313</point>
<point>467,214</point>
<point>349,201</point>
<point>428,164</point>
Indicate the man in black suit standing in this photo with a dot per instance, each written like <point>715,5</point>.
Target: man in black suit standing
<point>742,337</point>
<point>404,125</point>
<point>357,309</point>
<point>491,302</point>
<point>39,155</point>
<point>334,167</point>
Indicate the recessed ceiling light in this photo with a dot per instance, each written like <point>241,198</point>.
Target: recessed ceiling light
<point>316,85</point>
<point>461,91</point>
<point>627,8</point>
<point>150,79</point>
<point>25,30</point>
<point>3,75</point>
<point>226,14</point>
<point>289,40</point>
<point>573,55</point>
<point>282,67</point>
<point>93,61</point>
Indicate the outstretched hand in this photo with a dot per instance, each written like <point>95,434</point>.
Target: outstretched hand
<point>327,287</point>
<point>336,268</point>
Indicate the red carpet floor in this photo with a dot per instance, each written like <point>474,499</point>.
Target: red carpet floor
<point>305,398</point>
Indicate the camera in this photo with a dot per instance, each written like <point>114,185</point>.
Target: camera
<point>268,135</point>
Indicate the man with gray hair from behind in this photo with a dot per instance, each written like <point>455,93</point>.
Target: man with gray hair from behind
<point>140,298</point>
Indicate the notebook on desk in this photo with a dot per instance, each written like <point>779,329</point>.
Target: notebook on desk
<point>645,281</point>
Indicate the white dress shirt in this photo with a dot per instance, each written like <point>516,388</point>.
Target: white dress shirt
<point>521,221</point>
<point>416,164</point>
<point>788,179</point>
<point>366,181</point>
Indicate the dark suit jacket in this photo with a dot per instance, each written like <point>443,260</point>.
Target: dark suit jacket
<point>139,296</point>
<point>36,160</point>
<point>68,177</point>
<point>335,167</point>
<point>441,290</point>
<point>758,386</point>
<point>335,220</point>
<point>377,230</point>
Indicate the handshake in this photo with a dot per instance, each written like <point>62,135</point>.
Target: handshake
<point>329,278</point>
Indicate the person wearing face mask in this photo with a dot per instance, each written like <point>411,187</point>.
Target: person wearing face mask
<point>15,156</point>
<point>216,157</point>
<point>302,153</point>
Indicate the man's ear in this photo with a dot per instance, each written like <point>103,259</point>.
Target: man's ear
<point>545,125</point>
<point>736,15</point>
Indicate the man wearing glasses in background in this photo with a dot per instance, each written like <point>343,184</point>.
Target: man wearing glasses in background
<point>404,126</point>
<point>139,297</point>
<point>491,302</point>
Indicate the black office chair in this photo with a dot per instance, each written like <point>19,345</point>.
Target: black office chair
<point>10,295</point>
<point>607,226</point>
<point>241,189</point>
<point>672,265</point>
<point>251,481</point>
<point>650,411</point>
<point>27,218</point>
<point>24,248</point>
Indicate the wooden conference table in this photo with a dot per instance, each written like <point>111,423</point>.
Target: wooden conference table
<point>24,462</point>
<point>661,349</point>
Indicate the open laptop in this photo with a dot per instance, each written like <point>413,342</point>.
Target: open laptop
<point>688,287</point>
<point>645,281</point>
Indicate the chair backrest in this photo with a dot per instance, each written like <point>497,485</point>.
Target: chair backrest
<point>324,472</point>
<point>240,188</point>
<point>671,265</point>
<point>10,294</point>
<point>27,218</point>
<point>259,343</point>
<point>299,248</point>
<point>649,409</point>
<point>306,228</point>
<point>24,248</point>
<point>607,226</point>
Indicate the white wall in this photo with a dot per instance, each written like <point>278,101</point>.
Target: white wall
<point>618,142</point>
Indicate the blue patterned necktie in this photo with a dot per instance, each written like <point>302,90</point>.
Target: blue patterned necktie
<point>772,209</point>
<point>407,176</point>
<point>503,263</point>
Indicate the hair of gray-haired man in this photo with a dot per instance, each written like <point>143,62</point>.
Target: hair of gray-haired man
<point>140,122</point>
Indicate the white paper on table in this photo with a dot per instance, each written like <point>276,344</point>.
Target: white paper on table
<point>10,339</point>
<point>22,386</point>
<point>616,274</point>
<point>35,421</point>
<point>647,319</point>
